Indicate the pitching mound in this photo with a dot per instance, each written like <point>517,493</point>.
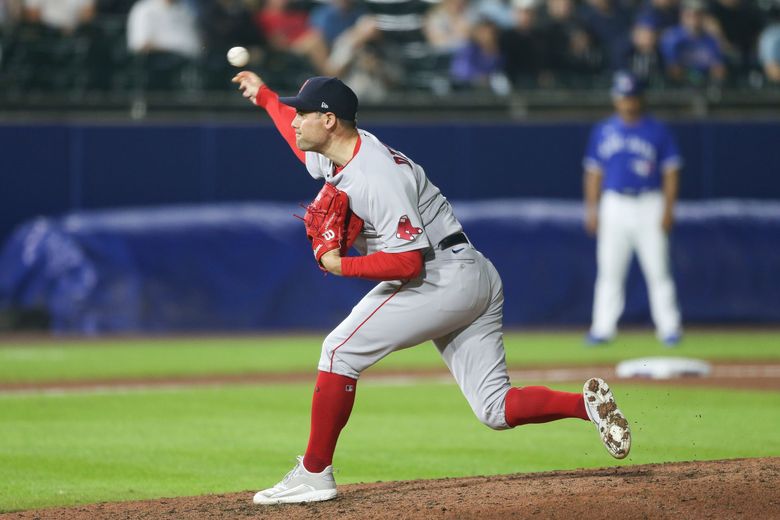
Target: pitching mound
<point>746,488</point>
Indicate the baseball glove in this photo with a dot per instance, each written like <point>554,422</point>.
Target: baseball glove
<point>330,224</point>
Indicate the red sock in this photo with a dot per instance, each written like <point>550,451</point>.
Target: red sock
<point>331,405</point>
<point>539,404</point>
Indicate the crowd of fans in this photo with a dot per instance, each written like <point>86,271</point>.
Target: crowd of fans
<point>378,46</point>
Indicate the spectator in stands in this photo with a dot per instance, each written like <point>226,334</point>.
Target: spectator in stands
<point>391,32</point>
<point>736,24</point>
<point>10,14</point>
<point>225,24</point>
<point>447,25</point>
<point>351,32</point>
<point>357,53</point>
<point>569,51</point>
<point>372,74</point>
<point>479,63</point>
<point>350,43</point>
<point>497,11</point>
<point>659,15</point>
<point>691,54</point>
<point>399,22</point>
<point>522,45</point>
<point>165,26</point>
<point>57,37</point>
<point>288,30</point>
<point>769,51</point>
<point>163,35</point>
<point>114,7</point>
<point>109,57</point>
<point>610,23</point>
<point>335,17</point>
<point>61,16</point>
<point>643,58</point>
<point>228,23</point>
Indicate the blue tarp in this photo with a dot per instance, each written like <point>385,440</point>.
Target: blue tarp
<point>243,267</point>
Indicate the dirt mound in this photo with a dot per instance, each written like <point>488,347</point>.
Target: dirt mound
<point>745,488</point>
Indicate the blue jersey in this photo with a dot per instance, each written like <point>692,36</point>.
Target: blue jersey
<point>690,51</point>
<point>631,157</point>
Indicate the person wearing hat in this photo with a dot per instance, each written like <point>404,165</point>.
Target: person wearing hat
<point>632,167</point>
<point>433,285</point>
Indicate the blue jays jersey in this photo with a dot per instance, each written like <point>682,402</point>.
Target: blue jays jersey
<point>631,157</point>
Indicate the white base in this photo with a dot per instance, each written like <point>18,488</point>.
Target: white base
<point>663,368</point>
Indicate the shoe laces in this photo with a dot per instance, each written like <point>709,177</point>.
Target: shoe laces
<point>293,472</point>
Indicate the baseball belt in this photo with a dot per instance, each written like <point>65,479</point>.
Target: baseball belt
<point>453,240</point>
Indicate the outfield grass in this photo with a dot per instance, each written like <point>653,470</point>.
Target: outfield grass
<point>86,447</point>
<point>105,359</point>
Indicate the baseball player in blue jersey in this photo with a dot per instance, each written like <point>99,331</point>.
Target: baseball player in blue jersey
<point>632,167</point>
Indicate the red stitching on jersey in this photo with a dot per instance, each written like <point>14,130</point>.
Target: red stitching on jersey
<point>363,323</point>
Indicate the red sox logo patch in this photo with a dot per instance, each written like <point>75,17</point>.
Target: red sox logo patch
<point>406,231</point>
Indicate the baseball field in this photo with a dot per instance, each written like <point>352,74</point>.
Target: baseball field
<point>191,427</point>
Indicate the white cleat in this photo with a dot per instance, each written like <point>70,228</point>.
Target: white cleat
<point>298,486</point>
<point>609,420</point>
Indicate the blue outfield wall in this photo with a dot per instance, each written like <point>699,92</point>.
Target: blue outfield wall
<point>242,267</point>
<point>96,272</point>
<point>52,169</point>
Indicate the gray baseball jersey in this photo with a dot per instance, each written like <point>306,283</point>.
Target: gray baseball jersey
<point>457,301</point>
<point>384,186</point>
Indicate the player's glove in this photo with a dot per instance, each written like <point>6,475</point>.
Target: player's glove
<point>330,224</point>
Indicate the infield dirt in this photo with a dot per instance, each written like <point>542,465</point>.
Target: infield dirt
<point>741,488</point>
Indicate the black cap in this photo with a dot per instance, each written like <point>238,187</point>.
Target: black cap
<point>324,94</point>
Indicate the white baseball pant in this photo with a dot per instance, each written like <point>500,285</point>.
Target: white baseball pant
<point>627,224</point>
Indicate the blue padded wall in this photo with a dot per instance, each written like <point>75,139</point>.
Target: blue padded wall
<point>50,169</point>
<point>249,266</point>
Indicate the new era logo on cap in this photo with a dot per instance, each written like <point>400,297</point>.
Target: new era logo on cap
<point>325,94</point>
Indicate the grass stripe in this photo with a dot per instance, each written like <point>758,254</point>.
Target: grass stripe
<point>157,358</point>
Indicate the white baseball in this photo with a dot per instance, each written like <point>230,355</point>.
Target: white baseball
<point>238,56</point>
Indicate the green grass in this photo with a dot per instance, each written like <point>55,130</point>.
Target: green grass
<point>105,359</point>
<point>81,448</point>
<point>61,449</point>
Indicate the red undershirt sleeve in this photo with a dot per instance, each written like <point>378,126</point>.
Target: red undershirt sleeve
<point>282,116</point>
<point>383,266</point>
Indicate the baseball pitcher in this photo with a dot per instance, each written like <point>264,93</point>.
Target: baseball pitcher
<point>433,284</point>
